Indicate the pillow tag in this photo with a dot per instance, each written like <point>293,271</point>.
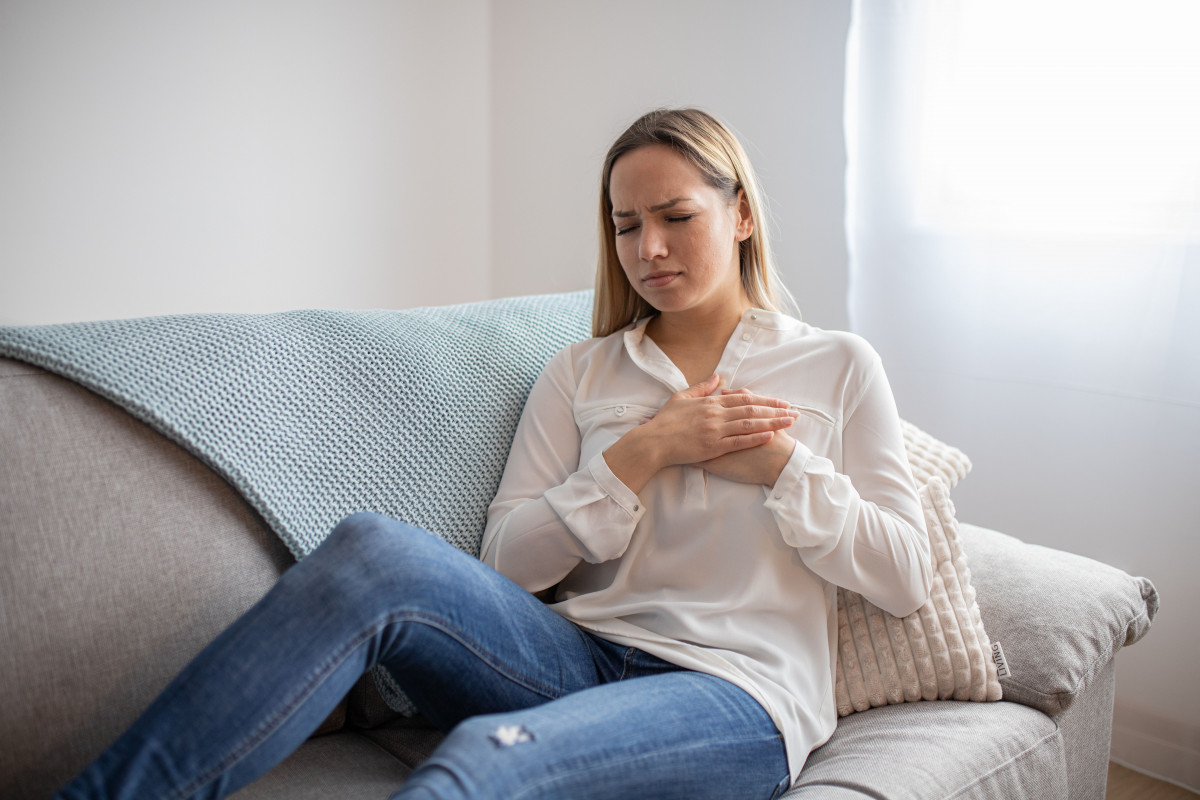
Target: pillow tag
<point>1002,670</point>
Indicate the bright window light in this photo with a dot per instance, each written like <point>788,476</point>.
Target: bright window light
<point>1062,117</point>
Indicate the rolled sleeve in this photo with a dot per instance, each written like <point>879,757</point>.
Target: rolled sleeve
<point>810,502</point>
<point>618,491</point>
<point>599,510</point>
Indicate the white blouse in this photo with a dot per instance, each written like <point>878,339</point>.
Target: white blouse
<point>732,579</point>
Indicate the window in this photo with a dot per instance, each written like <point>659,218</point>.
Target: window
<point>1061,118</point>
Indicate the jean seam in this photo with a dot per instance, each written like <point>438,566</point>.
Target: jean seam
<point>485,656</point>
<point>324,670</point>
<point>625,662</point>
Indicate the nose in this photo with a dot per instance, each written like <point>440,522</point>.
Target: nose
<point>652,244</point>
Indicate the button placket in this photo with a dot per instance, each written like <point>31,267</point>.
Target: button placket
<point>739,346</point>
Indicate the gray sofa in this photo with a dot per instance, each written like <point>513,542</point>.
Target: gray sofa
<point>122,554</point>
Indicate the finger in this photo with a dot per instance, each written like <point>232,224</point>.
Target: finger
<point>771,412</point>
<point>744,398</point>
<point>752,425</point>
<point>746,440</point>
<point>703,388</point>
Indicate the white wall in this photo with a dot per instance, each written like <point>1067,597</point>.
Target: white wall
<point>568,77</point>
<point>265,155</point>
<point>241,155</point>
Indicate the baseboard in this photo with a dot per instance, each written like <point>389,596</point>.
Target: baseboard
<point>1162,747</point>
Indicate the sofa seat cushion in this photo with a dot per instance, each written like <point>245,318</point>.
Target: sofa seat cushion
<point>937,751</point>
<point>344,765</point>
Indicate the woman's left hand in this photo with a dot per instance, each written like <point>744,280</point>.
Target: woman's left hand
<point>760,464</point>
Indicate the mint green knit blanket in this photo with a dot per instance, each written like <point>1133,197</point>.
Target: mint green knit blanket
<point>313,415</point>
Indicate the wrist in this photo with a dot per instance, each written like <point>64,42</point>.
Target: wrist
<point>635,458</point>
<point>779,460</point>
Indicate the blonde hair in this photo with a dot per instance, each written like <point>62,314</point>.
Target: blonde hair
<point>715,151</point>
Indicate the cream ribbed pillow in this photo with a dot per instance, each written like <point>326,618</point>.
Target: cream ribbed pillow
<point>940,651</point>
<point>929,457</point>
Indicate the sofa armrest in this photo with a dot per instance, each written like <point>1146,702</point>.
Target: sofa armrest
<point>120,557</point>
<point>1059,617</point>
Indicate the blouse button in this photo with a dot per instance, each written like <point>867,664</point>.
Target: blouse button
<point>779,495</point>
<point>637,508</point>
<point>745,337</point>
<point>619,411</point>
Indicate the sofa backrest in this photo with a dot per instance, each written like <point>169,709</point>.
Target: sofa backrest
<point>316,414</point>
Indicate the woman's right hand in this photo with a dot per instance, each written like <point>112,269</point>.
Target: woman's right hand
<point>696,424</point>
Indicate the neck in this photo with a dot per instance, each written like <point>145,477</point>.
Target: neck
<point>695,330</point>
<point>695,339</point>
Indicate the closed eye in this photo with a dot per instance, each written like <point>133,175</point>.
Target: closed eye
<point>677,218</point>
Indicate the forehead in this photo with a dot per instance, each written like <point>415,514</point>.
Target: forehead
<point>652,173</point>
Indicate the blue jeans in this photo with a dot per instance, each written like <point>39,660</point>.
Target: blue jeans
<point>535,707</point>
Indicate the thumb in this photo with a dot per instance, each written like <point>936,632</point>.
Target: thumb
<point>704,388</point>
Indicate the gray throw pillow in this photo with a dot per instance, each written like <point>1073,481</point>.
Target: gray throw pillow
<point>1059,617</point>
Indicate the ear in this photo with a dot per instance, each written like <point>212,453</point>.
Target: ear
<point>745,220</point>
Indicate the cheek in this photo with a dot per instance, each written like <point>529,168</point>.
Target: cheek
<point>627,253</point>
<point>715,253</point>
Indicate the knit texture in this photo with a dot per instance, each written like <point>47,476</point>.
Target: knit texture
<point>313,415</point>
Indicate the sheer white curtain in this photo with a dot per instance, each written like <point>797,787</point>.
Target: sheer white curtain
<point>1024,230</point>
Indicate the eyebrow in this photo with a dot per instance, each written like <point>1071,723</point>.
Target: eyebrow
<point>658,207</point>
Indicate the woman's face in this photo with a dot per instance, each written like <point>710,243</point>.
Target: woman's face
<point>677,237</point>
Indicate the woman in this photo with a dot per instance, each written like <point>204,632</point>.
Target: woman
<point>688,489</point>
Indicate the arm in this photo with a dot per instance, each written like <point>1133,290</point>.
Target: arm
<point>862,529</point>
<point>551,512</point>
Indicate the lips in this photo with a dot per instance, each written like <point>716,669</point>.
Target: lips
<point>656,279</point>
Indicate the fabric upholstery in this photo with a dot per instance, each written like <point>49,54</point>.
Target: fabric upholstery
<point>120,557</point>
<point>1060,617</point>
<point>937,751</point>
<point>410,740</point>
<point>345,766</point>
<point>1087,733</point>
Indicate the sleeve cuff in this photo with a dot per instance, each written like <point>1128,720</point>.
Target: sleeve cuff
<point>614,488</point>
<point>789,481</point>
